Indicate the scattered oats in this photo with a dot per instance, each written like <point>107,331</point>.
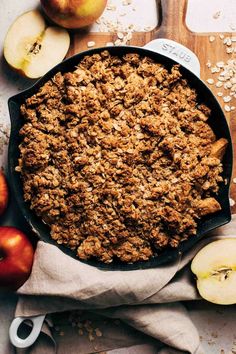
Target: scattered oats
<point>4,137</point>
<point>234,180</point>
<point>90,44</point>
<point>98,21</point>
<point>227,99</point>
<point>219,84</point>
<point>212,38</point>
<point>231,202</point>
<point>227,108</point>
<point>117,42</point>
<point>210,81</point>
<point>111,7</point>
<point>228,41</point>
<point>221,78</point>
<point>232,26</point>
<point>220,64</point>
<point>81,332</point>
<point>229,50</point>
<point>220,94</point>
<point>228,85</point>
<point>223,73</point>
<point>221,36</point>
<point>215,70</point>
<point>126,2</point>
<point>232,108</point>
<point>129,36</point>
<point>208,64</point>
<point>216,15</point>
<point>91,337</point>
<point>98,332</point>
<point>133,9</point>
<point>89,329</point>
<point>122,14</point>
<point>120,35</point>
<point>109,44</point>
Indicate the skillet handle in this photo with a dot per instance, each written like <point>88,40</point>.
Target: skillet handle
<point>177,52</point>
<point>18,342</point>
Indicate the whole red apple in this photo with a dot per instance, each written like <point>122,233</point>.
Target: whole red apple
<point>73,13</point>
<point>3,193</point>
<point>16,257</point>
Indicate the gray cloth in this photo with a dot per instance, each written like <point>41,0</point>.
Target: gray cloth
<point>148,300</point>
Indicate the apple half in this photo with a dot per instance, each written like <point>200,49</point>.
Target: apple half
<point>32,48</point>
<point>215,268</point>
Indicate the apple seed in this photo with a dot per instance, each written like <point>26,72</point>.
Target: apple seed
<point>35,48</point>
<point>222,273</point>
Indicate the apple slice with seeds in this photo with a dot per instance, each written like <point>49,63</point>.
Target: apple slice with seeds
<point>215,268</point>
<point>32,48</point>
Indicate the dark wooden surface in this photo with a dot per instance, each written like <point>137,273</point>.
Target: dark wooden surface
<point>172,25</point>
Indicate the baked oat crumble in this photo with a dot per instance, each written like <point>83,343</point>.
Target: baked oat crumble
<point>118,159</point>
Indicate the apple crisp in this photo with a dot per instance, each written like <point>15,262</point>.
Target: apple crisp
<point>118,159</point>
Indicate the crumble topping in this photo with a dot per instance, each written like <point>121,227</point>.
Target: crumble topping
<point>118,159</point>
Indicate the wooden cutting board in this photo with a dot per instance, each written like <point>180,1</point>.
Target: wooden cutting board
<point>172,25</point>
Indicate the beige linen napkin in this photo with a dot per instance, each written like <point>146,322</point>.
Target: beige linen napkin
<point>147,300</point>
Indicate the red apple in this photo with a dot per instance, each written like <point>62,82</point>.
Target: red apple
<point>3,193</point>
<point>16,257</point>
<point>73,13</point>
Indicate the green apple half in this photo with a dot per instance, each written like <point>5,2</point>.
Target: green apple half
<point>215,268</point>
<point>31,48</point>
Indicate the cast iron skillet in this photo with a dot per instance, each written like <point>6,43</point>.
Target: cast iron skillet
<point>217,121</point>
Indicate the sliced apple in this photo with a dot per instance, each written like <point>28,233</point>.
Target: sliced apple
<point>32,48</point>
<point>215,268</point>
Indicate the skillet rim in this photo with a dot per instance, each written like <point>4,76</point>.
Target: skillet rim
<point>207,224</point>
